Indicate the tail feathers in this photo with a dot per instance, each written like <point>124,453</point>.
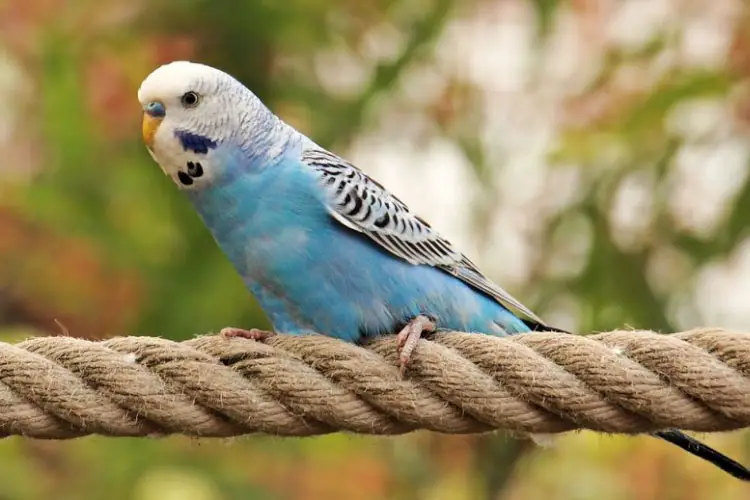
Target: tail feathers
<point>695,447</point>
<point>536,326</point>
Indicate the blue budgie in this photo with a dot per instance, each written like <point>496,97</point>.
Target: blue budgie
<point>323,247</point>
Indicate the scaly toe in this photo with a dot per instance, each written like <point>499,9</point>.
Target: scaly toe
<point>252,334</point>
<point>403,361</point>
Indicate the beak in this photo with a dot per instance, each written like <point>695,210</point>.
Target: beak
<point>153,114</point>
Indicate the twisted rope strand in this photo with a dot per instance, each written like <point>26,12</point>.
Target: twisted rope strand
<point>619,382</point>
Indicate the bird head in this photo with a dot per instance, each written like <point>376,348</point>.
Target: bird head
<point>189,111</point>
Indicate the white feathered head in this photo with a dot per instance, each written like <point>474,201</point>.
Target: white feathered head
<point>189,111</point>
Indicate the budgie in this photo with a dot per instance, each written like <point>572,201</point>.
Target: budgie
<point>322,246</point>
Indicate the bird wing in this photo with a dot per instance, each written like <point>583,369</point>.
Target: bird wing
<point>360,203</point>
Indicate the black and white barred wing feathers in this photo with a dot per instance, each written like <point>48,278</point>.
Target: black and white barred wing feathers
<point>362,204</point>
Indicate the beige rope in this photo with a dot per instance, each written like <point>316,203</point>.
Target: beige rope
<point>621,382</point>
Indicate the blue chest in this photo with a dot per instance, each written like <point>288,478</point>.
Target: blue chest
<point>312,274</point>
<point>263,221</point>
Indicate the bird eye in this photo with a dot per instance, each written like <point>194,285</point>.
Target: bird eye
<point>189,99</point>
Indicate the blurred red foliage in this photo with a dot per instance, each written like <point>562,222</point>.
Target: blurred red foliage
<point>49,277</point>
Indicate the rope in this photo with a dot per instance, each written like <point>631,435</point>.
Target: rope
<point>616,382</point>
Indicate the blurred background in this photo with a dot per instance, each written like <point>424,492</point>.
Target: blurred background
<point>590,155</point>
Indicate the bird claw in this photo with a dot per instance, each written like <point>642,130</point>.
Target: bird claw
<point>409,336</point>
<point>252,334</point>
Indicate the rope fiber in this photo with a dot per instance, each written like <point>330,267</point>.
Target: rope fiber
<point>617,382</point>
<point>213,386</point>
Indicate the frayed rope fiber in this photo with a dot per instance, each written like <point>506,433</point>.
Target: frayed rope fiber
<point>617,382</point>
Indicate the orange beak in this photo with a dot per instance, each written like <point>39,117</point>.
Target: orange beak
<point>153,113</point>
<point>149,127</point>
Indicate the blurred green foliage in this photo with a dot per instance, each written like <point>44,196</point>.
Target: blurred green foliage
<point>94,236</point>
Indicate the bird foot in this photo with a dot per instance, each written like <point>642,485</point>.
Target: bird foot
<point>252,334</point>
<point>409,336</point>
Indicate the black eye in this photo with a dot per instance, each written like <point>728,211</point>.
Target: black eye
<point>189,99</point>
